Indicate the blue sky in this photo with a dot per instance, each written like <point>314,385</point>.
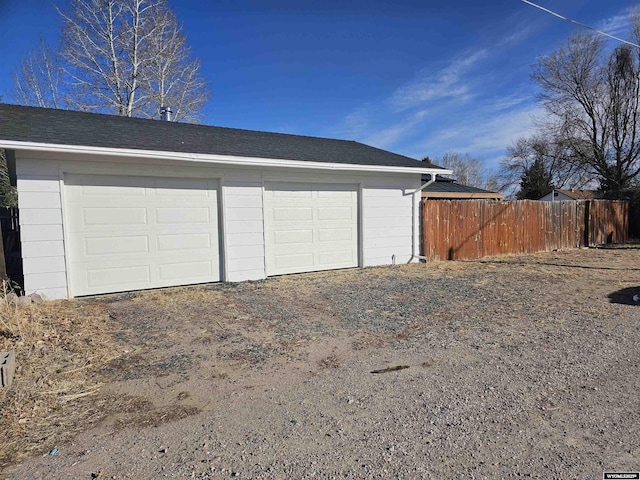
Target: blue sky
<point>414,77</point>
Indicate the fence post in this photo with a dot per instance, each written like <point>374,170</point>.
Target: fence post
<point>587,226</point>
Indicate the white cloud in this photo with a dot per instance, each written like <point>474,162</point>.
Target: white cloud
<point>357,123</point>
<point>446,83</point>
<point>454,107</point>
<point>615,25</point>
<point>474,102</point>
<point>485,134</point>
<point>518,36</point>
<point>619,25</point>
<point>509,101</point>
<point>499,131</point>
<point>388,136</point>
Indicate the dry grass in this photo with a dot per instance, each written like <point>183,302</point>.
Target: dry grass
<point>174,298</point>
<point>330,362</point>
<point>59,346</point>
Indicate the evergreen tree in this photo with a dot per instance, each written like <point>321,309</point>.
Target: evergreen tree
<point>536,182</point>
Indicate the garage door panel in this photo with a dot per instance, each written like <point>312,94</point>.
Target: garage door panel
<point>310,227</point>
<point>186,270</point>
<point>329,247</point>
<point>183,216</point>
<point>188,187</point>
<point>335,193</point>
<point>110,191</point>
<point>289,214</point>
<point>336,213</point>
<point>289,190</point>
<point>105,183</point>
<point>293,262</point>
<point>114,216</point>
<point>188,241</point>
<point>115,245</point>
<point>166,236</point>
<point>335,257</point>
<point>97,278</point>
<point>336,234</point>
<point>286,237</point>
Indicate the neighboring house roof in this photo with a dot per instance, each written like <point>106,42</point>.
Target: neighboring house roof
<point>24,127</point>
<point>580,194</point>
<point>449,188</point>
<point>558,194</point>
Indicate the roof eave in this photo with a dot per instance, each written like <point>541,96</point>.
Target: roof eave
<point>215,158</point>
<point>463,195</point>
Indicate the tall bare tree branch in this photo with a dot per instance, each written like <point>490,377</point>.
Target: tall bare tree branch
<point>466,169</point>
<point>593,100</point>
<point>173,76</point>
<point>37,82</point>
<point>127,57</point>
<point>551,152</point>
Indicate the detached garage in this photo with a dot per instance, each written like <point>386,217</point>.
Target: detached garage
<point>110,204</point>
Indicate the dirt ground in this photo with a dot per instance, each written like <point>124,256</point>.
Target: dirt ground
<point>519,366</point>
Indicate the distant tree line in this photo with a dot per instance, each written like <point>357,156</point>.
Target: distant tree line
<point>467,170</point>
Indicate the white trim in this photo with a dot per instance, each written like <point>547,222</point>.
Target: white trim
<point>65,233</point>
<point>308,178</point>
<point>223,268</point>
<point>360,226</point>
<point>214,158</point>
<point>264,226</point>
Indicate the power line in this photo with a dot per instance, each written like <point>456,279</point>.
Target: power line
<point>580,24</point>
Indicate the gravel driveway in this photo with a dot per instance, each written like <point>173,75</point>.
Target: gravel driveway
<point>522,366</point>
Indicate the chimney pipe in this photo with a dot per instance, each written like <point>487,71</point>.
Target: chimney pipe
<point>165,113</point>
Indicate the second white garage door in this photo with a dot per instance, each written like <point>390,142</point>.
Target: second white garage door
<point>130,233</point>
<point>310,227</point>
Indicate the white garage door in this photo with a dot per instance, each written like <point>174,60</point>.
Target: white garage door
<point>129,233</point>
<point>310,227</point>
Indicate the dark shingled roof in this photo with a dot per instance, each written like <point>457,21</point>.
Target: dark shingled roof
<point>448,185</point>
<point>65,127</point>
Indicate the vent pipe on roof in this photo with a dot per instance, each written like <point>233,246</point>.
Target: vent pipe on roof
<point>165,113</point>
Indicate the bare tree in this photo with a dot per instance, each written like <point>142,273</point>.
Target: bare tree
<point>466,169</point>
<point>593,101</point>
<point>127,57</point>
<point>172,77</point>
<point>37,82</point>
<point>551,153</point>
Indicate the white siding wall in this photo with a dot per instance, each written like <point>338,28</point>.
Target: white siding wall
<point>43,258</point>
<point>549,197</point>
<point>243,227</point>
<point>388,220</point>
<point>387,210</point>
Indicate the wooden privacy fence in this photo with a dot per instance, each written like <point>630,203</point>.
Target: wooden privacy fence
<point>464,229</point>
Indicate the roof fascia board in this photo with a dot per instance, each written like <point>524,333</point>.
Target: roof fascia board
<point>214,158</point>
